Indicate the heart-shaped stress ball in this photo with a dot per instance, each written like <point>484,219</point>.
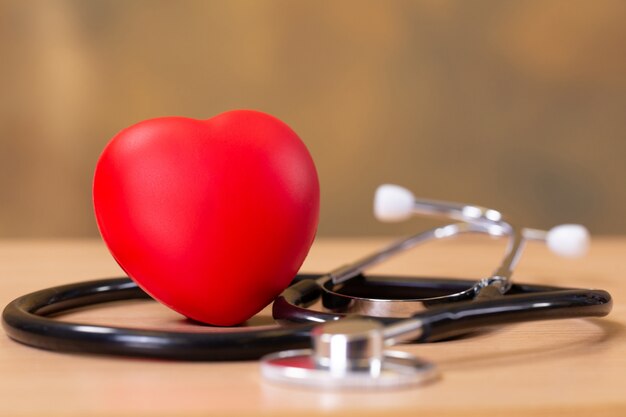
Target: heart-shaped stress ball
<point>213,218</point>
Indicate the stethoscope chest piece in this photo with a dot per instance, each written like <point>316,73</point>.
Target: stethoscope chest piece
<point>347,353</point>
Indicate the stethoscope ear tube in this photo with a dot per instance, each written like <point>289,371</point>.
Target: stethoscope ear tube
<point>459,318</point>
<point>26,320</point>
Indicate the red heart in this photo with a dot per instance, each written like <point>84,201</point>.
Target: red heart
<point>212,218</point>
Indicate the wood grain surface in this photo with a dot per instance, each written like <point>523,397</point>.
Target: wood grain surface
<point>567,367</point>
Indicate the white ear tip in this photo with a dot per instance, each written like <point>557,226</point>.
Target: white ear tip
<point>569,240</point>
<point>393,203</point>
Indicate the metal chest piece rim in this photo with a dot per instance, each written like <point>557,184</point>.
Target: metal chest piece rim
<point>347,354</point>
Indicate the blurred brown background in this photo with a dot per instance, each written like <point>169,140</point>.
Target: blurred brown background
<point>519,105</point>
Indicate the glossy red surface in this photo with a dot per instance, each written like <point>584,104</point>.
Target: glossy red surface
<point>212,218</point>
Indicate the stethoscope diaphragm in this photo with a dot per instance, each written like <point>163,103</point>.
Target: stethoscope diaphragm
<point>348,353</point>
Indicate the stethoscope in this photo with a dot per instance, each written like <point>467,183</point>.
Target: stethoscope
<point>342,343</point>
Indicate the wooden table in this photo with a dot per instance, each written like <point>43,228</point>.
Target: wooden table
<point>568,367</point>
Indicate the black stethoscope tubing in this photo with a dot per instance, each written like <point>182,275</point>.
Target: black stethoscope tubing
<point>28,319</point>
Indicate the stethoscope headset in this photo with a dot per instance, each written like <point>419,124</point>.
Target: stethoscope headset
<point>343,343</point>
